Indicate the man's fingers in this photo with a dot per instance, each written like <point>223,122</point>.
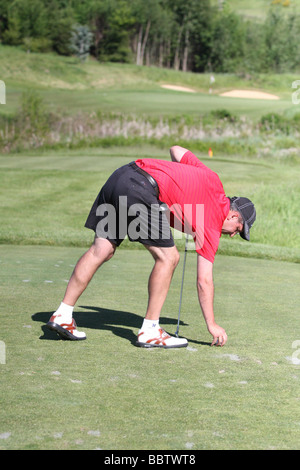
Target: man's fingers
<point>219,340</point>
<point>215,342</point>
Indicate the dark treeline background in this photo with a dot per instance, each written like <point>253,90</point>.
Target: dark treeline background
<point>188,35</point>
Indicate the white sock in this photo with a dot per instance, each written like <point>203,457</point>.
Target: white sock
<point>65,311</point>
<point>149,324</point>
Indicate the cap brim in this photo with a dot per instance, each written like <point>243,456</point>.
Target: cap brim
<point>245,234</point>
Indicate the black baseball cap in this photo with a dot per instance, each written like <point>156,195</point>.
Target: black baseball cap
<point>247,210</point>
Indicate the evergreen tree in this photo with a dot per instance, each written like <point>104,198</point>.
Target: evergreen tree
<point>81,40</point>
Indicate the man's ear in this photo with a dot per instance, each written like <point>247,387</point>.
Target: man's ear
<point>235,215</point>
<point>232,214</point>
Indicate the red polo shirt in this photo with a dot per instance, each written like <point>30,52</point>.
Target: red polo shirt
<point>195,197</point>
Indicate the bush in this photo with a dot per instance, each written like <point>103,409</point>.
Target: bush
<point>274,122</point>
<point>32,109</point>
<point>37,44</point>
<point>223,114</point>
<point>295,120</point>
<point>81,40</point>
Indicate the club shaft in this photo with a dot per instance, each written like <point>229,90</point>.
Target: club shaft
<point>181,290</point>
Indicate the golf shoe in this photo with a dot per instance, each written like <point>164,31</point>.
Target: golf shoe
<point>159,338</point>
<point>65,330</point>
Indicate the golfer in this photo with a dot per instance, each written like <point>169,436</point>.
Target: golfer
<point>142,200</point>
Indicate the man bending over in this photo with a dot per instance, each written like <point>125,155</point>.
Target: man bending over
<point>142,200</point>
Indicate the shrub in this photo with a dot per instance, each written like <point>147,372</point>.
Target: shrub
<point>273,122</point>
<point>223,114</point>
<point>33,111</point>
<point>81,40</point>
<point>37,44</point>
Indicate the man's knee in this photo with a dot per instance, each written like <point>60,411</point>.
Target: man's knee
<point>176,258</point>
<point>168,256</point>
<point>102,250</point>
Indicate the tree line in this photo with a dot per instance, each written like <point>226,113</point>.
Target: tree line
<point>188,35</point>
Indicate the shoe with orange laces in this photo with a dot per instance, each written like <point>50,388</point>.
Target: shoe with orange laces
<point>159,338</point>
<point>65,330</point>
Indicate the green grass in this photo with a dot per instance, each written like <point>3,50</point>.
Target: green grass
<point>150,102</point>
<point>45,70</point>
<point>257,9</point>
<point>46,199</point>
<point>86,98</point>
<point>106,393</point>
<point>68,86</point>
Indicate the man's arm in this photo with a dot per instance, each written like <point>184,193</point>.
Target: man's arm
<point>205,287</point>
<point>177,153</point>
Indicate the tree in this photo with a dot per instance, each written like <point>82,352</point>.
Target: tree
<point>191,33</point>
<point>81,40</point>
<point>228,41</point>
<point>97,15</point>
<point>60,24</point>
<point>160,39</point>
<point>32,17</point>
<point>111,22</point>
<point>117,39</point>
<point>146,15</point>
<point>281,35</point>
<point>39,24</point>
<point>4,5</point>
<point>201,31</point>
<point>25,20</point>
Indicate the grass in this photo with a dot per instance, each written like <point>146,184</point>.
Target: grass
<point>47,70</point>
<point>129,88</point>
<point>257,9</point>
<point>46,199</point>
<point>97,105</point>
<point>151,101</point>
<point>106,393</point>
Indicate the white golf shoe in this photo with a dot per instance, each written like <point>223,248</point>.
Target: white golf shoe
<point>65,330</point>
<point>159,338</point>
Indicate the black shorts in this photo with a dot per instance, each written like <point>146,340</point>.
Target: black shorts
<point>128,205</point>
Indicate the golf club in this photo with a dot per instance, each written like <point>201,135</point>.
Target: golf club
<point>180,300</point>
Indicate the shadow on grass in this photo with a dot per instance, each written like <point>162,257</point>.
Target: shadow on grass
<point>120,323</point>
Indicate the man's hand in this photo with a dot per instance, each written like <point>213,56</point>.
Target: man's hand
<point>218,333</point>
<point>206,296</point>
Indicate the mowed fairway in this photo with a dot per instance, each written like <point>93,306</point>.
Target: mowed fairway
<point>155,102</point>
<point>105,393</point>
<point>161,102</point>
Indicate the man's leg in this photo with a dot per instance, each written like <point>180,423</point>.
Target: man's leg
<point>166,260</point>
<point>151,335</point>
<point>100,251</point>
<point>62,320</point>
